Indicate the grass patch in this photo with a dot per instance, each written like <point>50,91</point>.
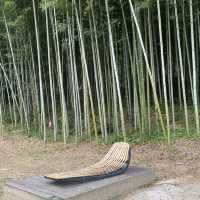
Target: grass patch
<point>134,136</point>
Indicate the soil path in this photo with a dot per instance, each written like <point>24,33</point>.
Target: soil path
<point>21,156</point>
<point>186,188</point>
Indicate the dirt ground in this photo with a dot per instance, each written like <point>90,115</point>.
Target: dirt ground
<point>21,156</point>
<point>185,188</point>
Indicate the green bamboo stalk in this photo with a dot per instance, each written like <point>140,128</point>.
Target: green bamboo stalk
<point>148,68</point>
<point>112,52</point>
<point>53,104</point>
<point>194,69</point>
<point>42,108</point>
<point>181,67</point>
<point>163,71</point>
<point>85,68</point>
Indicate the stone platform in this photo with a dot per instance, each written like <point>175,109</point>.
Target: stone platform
<point>39,188</point>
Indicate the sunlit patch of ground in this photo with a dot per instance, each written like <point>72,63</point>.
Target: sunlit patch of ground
<point>185,188</point>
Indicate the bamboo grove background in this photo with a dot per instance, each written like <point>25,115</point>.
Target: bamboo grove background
<point>100,69</point>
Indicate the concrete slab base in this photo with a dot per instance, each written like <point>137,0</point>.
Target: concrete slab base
<point>39,188</point>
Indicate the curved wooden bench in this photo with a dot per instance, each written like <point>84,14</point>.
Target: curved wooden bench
<point>115,162</point>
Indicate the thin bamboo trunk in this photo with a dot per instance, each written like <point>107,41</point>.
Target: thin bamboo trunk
<point>163,71</point>
<point>181,68</point>
<point>42,108</point>
<point>194,69</point>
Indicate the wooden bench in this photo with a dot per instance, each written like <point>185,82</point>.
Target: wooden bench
<point>115,162</point>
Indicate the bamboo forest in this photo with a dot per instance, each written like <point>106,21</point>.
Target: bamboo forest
<point>100,70</point>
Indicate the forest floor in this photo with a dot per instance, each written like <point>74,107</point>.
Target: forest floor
<point>21,156</point>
